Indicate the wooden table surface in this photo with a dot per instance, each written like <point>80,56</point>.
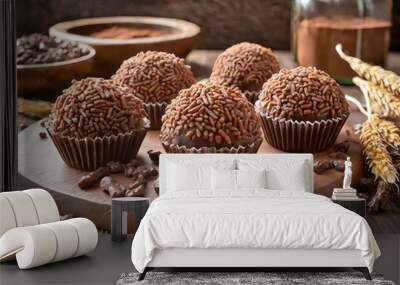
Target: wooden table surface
<point>40,163</point>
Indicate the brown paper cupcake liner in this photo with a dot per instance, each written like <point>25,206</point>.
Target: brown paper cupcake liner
<point>250,148</point>
<point>303,136</point>
<point>89,154</point>
<point>251,96</point>
<point>155,111</point>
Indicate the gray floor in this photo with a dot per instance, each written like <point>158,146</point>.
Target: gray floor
<point>103,266</point>
<point>110,260</point>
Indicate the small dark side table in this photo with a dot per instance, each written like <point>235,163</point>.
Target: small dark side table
<point>119,214</point>
<point>357,205</point>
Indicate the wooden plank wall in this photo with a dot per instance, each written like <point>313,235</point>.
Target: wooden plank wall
<point>223,22</point>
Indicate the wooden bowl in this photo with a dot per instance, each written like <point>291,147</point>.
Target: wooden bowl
<point>175,36</point>
<point>47,80</point>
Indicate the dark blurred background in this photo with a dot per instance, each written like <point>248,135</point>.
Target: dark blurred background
<point>223,22</point>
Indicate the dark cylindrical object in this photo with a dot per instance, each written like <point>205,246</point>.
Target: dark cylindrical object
<point>8,119</point>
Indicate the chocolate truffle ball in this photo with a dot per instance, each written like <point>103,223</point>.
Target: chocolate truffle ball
<point>245,66</point>
<point>154,76</point>
<point>302,94</point>
<point>96,107</point>
<point>207,114</point>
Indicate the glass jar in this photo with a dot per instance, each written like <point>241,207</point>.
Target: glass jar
<point>361,26</point>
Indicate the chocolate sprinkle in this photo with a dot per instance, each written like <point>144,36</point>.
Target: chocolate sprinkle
<point>304,94</point>
<point>96,107</point>
<point>245,66</point>
<point>207,114</point>
<point>154,76</point>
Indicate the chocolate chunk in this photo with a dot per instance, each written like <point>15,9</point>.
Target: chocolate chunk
<point>154,156</point>
<point>320,166</point>
<point>43,135</point>
<point>139,191</point>
<point>150,172</point>
<point>112,188</point>
<point>339,165</point>
<point>93,177</point>
<point>38,49</point>
<point>115,166</point>
<point>338,155</point>
<point>22,126</point>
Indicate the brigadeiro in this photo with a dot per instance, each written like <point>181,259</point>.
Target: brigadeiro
<point>302,110</point>
<point>95,121</point>
<point>210,118</point>
<point>245,66</point>
<point>156,78</point>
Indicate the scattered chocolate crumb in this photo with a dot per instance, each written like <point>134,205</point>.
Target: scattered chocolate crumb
<point>93,177</point>
<point>112,188</point>
<point>150,172</point>
<point>342,147</point>
<point>154,156</point>
<point>338,155</point>
<point>139,180</point>
<point>339,165</point>
<point>320,166</point>
<point>156,185</point>
<point>129,170</point>
<point>105,182</point>
<point>115,166</point>
<point>22,126</point>
<point>139,170</point>
<point>135,162</point>
<point>43,135</point>
<point>139,191</point>
<point>135,169</point>
<point>43,123</point>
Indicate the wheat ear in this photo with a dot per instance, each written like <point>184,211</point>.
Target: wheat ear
<point>390,133</point>
<point>384,78</point>
<point>379,159</point>
<point>382,102</point>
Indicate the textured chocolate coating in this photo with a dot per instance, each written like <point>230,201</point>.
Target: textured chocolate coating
<point>207,114</point>
<point>302,94</point>
<point>96,107</point>
<point>154,76</point>
<point>245,66</point>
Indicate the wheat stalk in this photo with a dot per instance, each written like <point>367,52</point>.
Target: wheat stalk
<point>379,159</point>
<point>376,134</point>
<point>389,132</point>
<point>383,78</point>
<point>382,102</point>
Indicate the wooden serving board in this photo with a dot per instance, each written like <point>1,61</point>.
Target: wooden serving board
<point>40,163</point>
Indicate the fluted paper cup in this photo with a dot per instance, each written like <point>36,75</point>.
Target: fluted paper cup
<point>155,111</point>
<point>91,153</point>
<point>301,136</point>
<point>249,148</point>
